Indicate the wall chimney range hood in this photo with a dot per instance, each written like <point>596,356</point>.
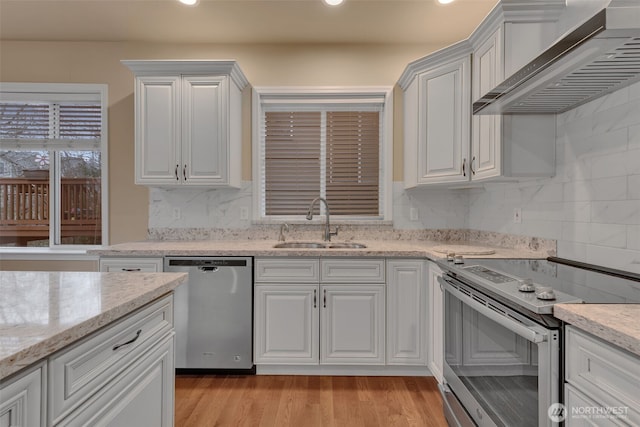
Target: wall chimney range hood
<point>597,57</point>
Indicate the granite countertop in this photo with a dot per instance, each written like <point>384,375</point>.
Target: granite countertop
<point>375,248</point>
<point>615,323</point>
<point>42,312</point>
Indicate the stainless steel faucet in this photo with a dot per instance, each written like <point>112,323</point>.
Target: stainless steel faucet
<point>283,227</point>
<point>327,229</point>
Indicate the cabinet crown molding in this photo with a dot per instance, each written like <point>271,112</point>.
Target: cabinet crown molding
<point>435,59</point>
<point>188,66</point>
<point>517,11</point>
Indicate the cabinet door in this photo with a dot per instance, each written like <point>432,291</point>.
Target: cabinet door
<point>436,326</point>
<point>406,312</point>
<point>443,123</point>
<point>352,325</point>
<point>141,396</point>
<point>487,136</point>
<point>22,400</point>
<point>204,130</point>
<point>286,324</point>
<point>157,117</point>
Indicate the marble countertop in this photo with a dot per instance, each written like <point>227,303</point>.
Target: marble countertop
<point>375,248</point>
<point>615,323</point>
<point>42,312</point>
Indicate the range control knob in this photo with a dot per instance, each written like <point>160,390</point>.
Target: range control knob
<point>526,285</point>
<point>545,293</point>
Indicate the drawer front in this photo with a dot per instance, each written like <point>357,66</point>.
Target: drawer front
<point>576,410</point>
<point>146,265</point>
<point>78,372</point>
<point>287,270</point>
<point>352,271</point>
<point>607,374</point>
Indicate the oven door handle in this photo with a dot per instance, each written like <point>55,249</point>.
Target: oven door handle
<point>525,332</point>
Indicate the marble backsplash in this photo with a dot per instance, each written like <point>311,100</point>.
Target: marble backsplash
<point>359,232</point>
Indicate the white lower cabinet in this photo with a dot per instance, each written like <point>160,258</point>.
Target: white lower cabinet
<point>603,382</point>
<point>121,375</point>
<point>436,325</point>
<point>286,324</point>
<point>299,320</point>
<point>131,265</point>
<point>407,332</point>
<point>22,398</point>
<point>352,325</point>
<point>142,396</point>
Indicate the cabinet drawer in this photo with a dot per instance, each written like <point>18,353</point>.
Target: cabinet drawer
<point>76,373</point>
<point>607,374</point>
<point>286,270</point>
<point>352,271</point>
<point>576,407</point>
<point>146,265</point>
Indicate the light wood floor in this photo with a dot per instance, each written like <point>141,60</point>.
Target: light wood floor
<point>301,401</point>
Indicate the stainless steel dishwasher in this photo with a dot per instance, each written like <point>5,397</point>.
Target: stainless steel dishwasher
<point>213,314</point>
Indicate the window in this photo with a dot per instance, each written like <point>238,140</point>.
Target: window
<point>53,164</point>
<point>325,143</point>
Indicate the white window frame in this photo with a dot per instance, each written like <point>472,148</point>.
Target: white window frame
<point>67,252</point>
<point>313,95</point>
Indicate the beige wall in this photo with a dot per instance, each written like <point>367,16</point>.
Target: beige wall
<point>264,65</point>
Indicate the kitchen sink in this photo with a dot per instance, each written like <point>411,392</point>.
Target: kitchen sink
<point>309,245</point>
<point>347,245</point>
<point>318,245</point>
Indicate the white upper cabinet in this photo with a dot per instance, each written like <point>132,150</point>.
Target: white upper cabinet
<point>443,142</point>
<point>437,117</point>
<point>511,146</point>
<point>188,122</point>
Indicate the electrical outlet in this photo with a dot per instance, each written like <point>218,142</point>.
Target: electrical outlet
<point>177,213</point>
<point>244,213</point>
<point>413,214</point>
<point>517,215</point>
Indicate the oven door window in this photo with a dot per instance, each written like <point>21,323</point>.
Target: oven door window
<point>497,368</point>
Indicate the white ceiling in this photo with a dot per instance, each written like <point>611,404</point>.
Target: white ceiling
<point>242,21</point>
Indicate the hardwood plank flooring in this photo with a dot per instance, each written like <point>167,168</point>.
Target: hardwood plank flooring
<point>307,401</point>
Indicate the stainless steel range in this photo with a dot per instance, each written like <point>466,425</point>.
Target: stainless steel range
<point>502,361</point>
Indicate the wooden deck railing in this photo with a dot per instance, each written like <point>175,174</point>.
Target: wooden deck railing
<point>24,209</point>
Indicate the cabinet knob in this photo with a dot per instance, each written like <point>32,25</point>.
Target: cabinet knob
<point>464,167</point>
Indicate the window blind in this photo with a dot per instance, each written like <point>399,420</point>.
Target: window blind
<point>352,172</point>
<point>48,125</point>
<point>292,161</point>
<point>333,154</point>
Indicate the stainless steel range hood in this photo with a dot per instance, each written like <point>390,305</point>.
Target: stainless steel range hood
<point>598,57</point>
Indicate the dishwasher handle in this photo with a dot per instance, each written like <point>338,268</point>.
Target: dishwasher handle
<point>208,268</point>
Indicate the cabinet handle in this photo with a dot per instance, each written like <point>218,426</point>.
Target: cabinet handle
<point>471,166</point>
<point>177,177</point>
<point>324,299</point>
<point>315,298</point>
<point>184,172</point>
<point>464,167</point>
<point>115,347</point>
<point>131,269</point>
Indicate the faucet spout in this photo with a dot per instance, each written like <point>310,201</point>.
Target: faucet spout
<point>327,228</point>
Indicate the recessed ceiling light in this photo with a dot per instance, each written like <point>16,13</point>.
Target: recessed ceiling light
<point>333,2</point>
<point>445,1</point>
<point>189,2</point>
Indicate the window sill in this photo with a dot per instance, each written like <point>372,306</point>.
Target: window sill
<point>50,254</point>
